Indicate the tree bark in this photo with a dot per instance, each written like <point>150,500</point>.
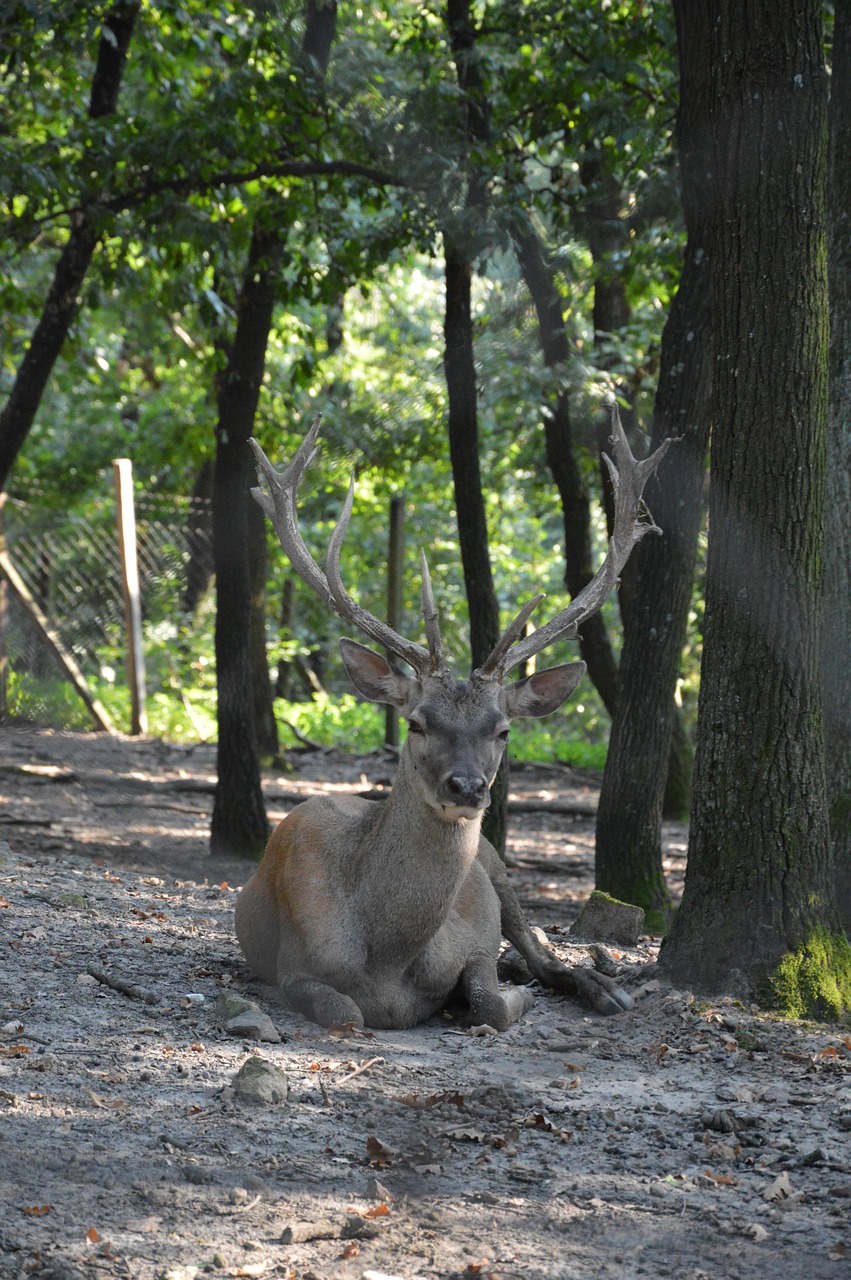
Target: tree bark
<point>239,825</point>
<point>758,884</point>
<point>459,365</point>
<point>837,633</point>
<point>63,298</point>
<point>540,280</point>
<point>629,817</point>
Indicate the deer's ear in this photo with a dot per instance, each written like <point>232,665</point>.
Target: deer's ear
<point>375,679</point>
<point>542,692</point>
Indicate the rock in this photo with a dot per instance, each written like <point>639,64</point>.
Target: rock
<point>76,900</point>
<point>230,1005</point>
<point>604,919</point>
<point>261,1082</point>
<point>253,1024</point>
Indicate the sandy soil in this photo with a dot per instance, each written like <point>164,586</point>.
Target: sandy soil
<point>685,1138</point>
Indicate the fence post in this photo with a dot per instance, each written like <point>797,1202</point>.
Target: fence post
<point>395,564</point>
<point>122,470</point>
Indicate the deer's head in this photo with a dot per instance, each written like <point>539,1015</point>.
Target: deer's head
<point>457,729</point>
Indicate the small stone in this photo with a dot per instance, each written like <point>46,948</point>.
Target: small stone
<point>76,900</point>
<point>376,1190</point>
<point>85,980</point>
<point>253,1024</point>
<point>229,1004</point>
<point>261,1082</point>
<point>195,1174</point>
<point>604,919</point>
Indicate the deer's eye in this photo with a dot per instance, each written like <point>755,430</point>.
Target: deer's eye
<point>414,726</point>
<point>504,735</point>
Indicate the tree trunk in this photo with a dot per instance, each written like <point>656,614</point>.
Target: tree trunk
<point>629,817</point>
<point>63,298</point>
<point>239,820</point>
<point>239,824</point>
<point>758,906</point>
<point>459,364</point>
<point>837,552</point>
<point>561,458</point>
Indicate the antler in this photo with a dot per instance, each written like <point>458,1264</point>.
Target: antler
<point>631,522</point>
<point>280,506</point>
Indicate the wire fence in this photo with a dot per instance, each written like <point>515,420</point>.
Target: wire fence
<point>70,563</point>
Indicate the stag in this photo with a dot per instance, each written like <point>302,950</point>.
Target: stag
<point>372,914</point>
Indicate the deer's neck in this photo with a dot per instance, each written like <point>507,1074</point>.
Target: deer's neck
<point>421,861</point>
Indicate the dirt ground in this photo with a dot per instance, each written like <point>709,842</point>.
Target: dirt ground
<point>684,1138</point>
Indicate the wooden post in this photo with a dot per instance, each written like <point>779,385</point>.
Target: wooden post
<point>395,564</point>
<point>122,469</point>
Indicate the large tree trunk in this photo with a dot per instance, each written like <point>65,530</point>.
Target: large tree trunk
<point>759,885</point>
<point>540,280</point>
<point>638,767</point>
<point>459,364</point>
<point>837,553</point>
<point>63,297</point>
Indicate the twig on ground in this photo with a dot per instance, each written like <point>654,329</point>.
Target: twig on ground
<point>131,989</point>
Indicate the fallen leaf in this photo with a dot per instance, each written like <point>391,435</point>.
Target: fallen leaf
<point>378,1154</point>
<point>377,1211</point>
<point>838,1252</point>
<point>780,1188</point>
<point>92,1236</point>
<point>115,1105</point>
<point>251,1269</point>
<point>720,1179</point>
<point>351,1250</point>
<point>13,1051</point>
<point>36,1210</point>
<point>4,902</point>
<point>421,1102</point>
<point>757,1232</point>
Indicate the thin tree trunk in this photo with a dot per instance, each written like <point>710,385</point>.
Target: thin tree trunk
<point>837,554</point>
<point>629,817</point>
<point>239,825</point>
<point>540,280</point>
<point>759,890</point>
<point>63,296</point>
<point>459,364</point>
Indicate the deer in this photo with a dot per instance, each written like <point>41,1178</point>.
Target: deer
<point>367,914</point>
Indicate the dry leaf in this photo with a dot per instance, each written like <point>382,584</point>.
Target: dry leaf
<point>13,1051</point>
<point>92,1236</point>
<point>838,1252</point>
<point>351,1250</point>
<point>377,1211</point>
<point>421,1102</point>
<point>780,1188</point>
<point>720,1179</point>
<point>36,1210</point>
<point>757,1232</point>
<point>378,1155</point>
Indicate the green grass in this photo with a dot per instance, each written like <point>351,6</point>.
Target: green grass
<point>189,715</point>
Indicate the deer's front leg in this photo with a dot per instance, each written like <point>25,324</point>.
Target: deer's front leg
<point>320,1002</point>
<point>598,991</point>
<point>488,1004</point>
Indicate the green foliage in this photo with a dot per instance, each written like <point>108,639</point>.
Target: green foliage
<point>215,104</point>
<point>814,981</point>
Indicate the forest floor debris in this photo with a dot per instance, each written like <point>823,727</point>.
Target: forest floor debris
<point>687,1138</point>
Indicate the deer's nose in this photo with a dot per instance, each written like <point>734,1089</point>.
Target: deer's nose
<point>467,789</point>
